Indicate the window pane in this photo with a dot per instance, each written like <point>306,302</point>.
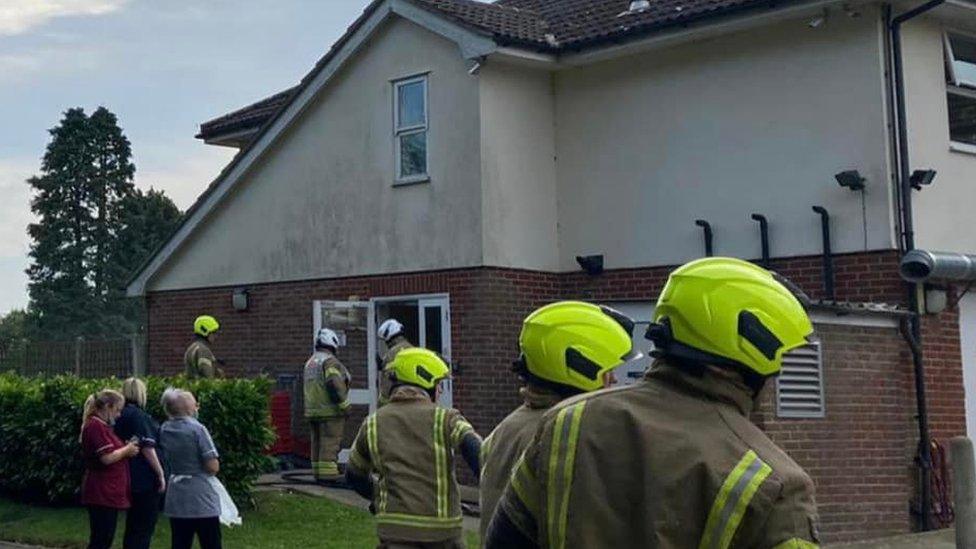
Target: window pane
<point>411,104</point>
<point>413,154</point>
<point>962,119</point>
<point>964,62</point>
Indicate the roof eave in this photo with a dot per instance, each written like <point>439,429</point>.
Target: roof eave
<point>472,46</point>
<point>706,25</point>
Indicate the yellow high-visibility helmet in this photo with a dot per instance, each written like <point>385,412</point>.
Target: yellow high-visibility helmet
<point>572,344</point>
<point>418,366</point>
<point>722,310</point>
<point>205,325</point>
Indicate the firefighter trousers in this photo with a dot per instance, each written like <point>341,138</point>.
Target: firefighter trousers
<point>326,438</point>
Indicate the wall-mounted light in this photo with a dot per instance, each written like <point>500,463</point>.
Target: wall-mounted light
<point>240,299</point>
<point>920,178</point>
<point>592,264</point>
<point>819,20</point>
<point>851,179</point>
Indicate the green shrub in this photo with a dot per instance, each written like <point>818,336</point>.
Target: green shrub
<point>40,458</point>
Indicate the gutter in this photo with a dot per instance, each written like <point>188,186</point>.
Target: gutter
<point>912,327</point>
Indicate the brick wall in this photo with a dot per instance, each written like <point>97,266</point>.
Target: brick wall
<point>860,455</point>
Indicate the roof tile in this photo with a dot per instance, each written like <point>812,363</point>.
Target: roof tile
<point>553,26</point>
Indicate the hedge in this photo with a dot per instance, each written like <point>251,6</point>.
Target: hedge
<point>40,458</point>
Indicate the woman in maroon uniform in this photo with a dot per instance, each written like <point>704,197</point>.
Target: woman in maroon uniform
<point>105,488</point>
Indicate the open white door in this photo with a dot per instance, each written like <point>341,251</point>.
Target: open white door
<point>354,322</point>
<point>435,334</point>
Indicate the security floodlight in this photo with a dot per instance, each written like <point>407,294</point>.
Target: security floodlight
<point>919,178</point>
<point>240,300</point>
<point>851,179</point>
<point>592,264</point>
<point>640,5</point>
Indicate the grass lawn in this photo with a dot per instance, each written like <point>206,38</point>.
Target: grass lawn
<point>280,521</point>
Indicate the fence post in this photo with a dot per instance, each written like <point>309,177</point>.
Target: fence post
<point>964,491</point>
<point>78,341</point>
<point>138,356</point>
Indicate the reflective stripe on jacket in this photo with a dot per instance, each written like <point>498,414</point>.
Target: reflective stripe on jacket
<point>322,369</point>
<point>672,461</point>
<point>506,443</point>
<point>410,445</point>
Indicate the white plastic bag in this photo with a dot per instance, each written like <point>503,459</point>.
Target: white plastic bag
<point>229,516</point>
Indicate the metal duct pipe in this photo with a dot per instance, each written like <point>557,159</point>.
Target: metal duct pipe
<point>919,266</point>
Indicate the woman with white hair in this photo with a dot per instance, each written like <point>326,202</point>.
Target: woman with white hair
<point>147,482</point>
<point>192,504</point>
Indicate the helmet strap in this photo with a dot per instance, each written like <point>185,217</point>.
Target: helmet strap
<point>696,361</point>
<point>521,367</point>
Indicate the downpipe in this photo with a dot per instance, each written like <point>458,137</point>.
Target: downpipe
<point>912,329</point>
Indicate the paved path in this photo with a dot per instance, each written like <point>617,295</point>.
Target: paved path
<point>942,539</point>
<point>9,545</point>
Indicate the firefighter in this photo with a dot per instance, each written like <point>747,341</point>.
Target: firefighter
<point>326,388</point>
<point>391,332</point>
<point>199,359</point>
<point>410,445</point>
<point>673,461</point>
<point>550,336</point>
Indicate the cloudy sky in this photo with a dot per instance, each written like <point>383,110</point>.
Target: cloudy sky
<point>161,66</point>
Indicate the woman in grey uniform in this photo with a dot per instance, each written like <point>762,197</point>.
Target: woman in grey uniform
<point>192,505</point>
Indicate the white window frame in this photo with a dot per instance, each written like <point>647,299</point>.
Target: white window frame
<point>956,87</point>
<point>399,132</point>
<point>782,413</point>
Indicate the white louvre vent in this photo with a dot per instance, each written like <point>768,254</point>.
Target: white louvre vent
<point>800,388</point>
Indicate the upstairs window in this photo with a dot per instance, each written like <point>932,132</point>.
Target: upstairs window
<point>410,129</point>
<point>960,61</point>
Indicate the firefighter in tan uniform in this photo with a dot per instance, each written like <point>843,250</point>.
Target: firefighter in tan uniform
<point>326,388</point>
<point>199,359</point>
<point>550,336</point>
<point>410,446</point>
<point>391,331</point>
<point>673,461</point>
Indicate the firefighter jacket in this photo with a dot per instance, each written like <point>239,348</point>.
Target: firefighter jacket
<point>505,444</point>
<point>200,360</point>
<point>395,345</point>
<point>670,462</point>
<point>326,384</point>
<point>410,445</point>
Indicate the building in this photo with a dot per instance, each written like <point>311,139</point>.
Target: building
<point>454,163</point>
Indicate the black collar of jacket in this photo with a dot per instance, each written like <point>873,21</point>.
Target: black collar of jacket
<point>715,383</point>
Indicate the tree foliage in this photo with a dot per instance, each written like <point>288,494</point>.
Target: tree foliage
<point>13,333</point>
<point>94,227</point>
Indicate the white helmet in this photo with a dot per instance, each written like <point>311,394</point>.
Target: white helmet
<point>389,329</point>
<point>327,338</point>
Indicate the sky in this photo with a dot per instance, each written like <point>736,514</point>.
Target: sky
<point>161,66</point>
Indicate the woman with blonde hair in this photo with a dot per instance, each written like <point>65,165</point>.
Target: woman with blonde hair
<point>105,487</point>
<point>147,482</point>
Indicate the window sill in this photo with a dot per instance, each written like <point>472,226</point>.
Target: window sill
<point>964,148</point>
<point>413,180</point>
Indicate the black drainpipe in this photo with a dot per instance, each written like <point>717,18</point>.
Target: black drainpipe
<point>913,331</point>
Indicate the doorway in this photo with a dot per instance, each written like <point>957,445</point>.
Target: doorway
<point>427,323</point>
